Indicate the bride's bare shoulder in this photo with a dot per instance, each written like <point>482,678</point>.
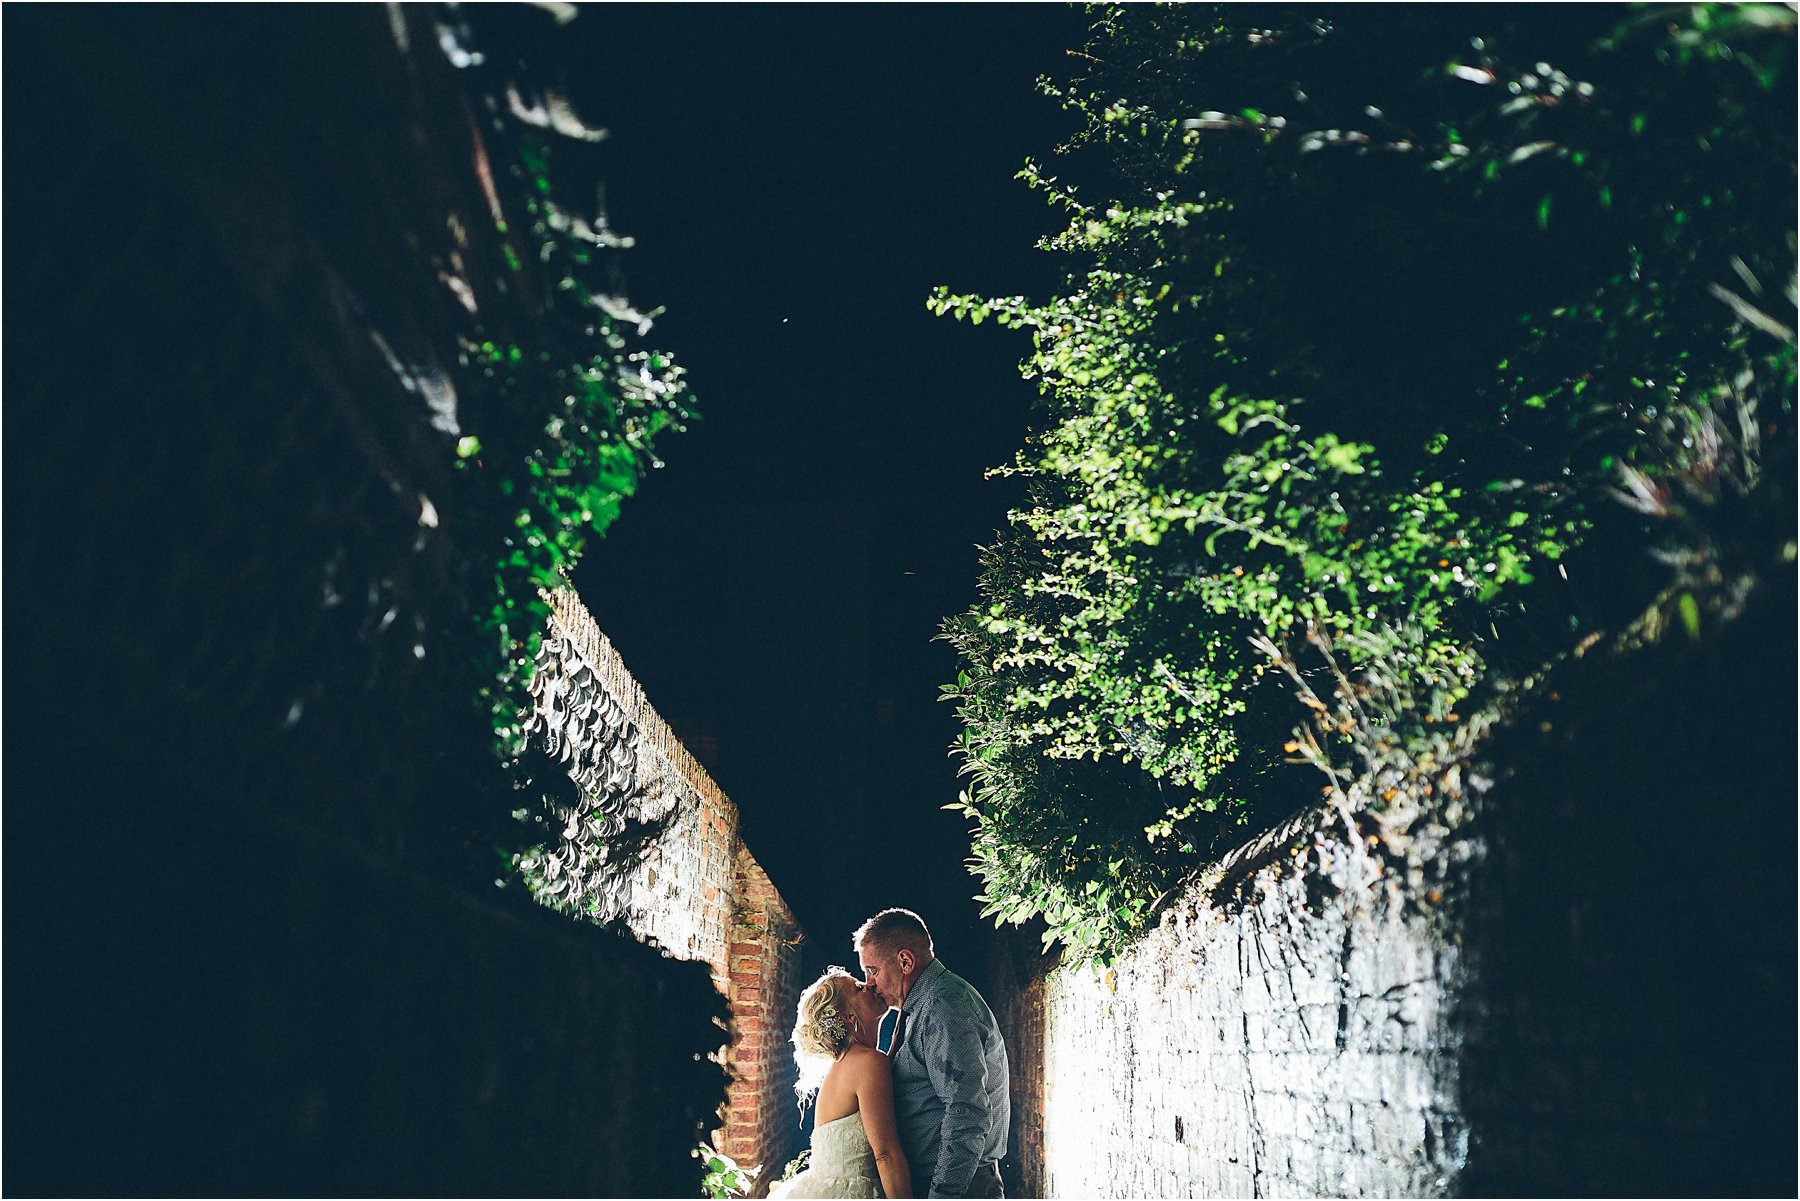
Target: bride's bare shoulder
<point>866,1061</point>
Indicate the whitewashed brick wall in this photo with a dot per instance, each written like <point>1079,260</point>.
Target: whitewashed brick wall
<point>1285,1046</point>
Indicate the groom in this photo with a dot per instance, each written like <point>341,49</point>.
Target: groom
<point>951,1096</point>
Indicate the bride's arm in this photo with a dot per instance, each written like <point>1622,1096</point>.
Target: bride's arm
<point>875,1096</point>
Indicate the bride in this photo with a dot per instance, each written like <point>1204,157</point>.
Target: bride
<point>855,1143</point>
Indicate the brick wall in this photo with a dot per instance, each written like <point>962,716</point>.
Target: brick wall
<point>764,990</point>
<point>1017,995</point>
<point>692,886</point>
<point>1576,980</point>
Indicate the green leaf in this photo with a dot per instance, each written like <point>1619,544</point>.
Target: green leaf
<point>1690,614</point>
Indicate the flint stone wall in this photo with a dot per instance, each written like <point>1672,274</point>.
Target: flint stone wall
<point>656,846</point>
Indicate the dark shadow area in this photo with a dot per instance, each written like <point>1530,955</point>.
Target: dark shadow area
<point>1630,934</point>
<point>253,940</point>
<point>802,176</point>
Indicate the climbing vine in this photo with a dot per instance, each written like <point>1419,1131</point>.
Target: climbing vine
<point>550,410</point>
<point>1367,324</point>
<point>571,400</point>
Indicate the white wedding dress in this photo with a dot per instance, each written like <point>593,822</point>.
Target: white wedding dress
<point>842,1164</point>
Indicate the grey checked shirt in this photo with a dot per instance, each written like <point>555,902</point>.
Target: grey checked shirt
<point>951,1097</point>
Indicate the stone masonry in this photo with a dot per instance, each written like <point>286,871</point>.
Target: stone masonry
<point>695,890</point>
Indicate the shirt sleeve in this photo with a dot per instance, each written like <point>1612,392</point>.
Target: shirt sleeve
<point>956,1063</point>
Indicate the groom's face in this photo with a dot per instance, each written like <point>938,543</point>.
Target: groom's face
<point>885,973</point>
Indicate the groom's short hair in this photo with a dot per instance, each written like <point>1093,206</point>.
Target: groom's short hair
<point>893,930</point>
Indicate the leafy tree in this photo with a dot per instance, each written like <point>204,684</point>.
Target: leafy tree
<point>1367,322</point>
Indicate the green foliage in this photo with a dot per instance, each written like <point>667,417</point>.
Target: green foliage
<point>1365,320</point>
<point>796,1165</point>
<point>722,1178</point>
<point>566,401</point>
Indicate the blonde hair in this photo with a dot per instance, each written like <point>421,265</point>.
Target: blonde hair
<point>821,1031</point>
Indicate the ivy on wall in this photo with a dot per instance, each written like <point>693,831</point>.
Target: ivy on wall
<point>1369,325</point>
<point>552,409</point>
<point>571,398</point>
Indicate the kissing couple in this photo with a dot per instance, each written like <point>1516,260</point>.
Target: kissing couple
<point>930,1111</point>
